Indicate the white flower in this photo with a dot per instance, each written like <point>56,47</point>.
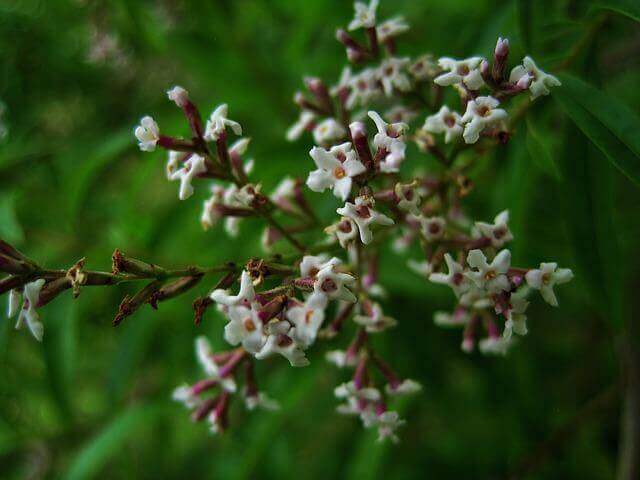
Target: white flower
<point>365,15</point>
<point>540,81</point>
<point>391,28</point>
<point>375,320</point>
<point>481,113</point>
<point>261,400</point>
<point>204,355</point>
<point>363,214</point>
<point>336,168</point>
<point>491,277</point>
<point>245,196</point>
<point>28,313</point>
<point>516,319</point>
<point>494,345</point>
<point>424,268</point>
<point>390,137</point>
<point>432,227</point>
<point>455,278</point>
<point>406,387</point>
<point>173,162</point>
<point>476,298</point>
<point>332,284</point>
<point>387,423</point>
<point>423,68</point>
<point>364,88</point>
<point>13,304</point>
<point>246,328</point>
<point>460,71</point>
<point>546,277</point>
<point>184,394</point>
<point>218,123</point>
<point>498,232</point>
<point>178,95</point>
<point>245,296</point>
<point>307,318</point>
<point>284,191</point>
<point>408,198</point>
<point>305,122</point>
<point>459,318</point>
<point>345,231</point>
<point>445,121</point>
<point>391,74</point>
<point>349,389</point>
<point>285,346</point>
<point>192,167</point>
<point>340,358</point>
<point>147,134</point>
<point>328,131</point>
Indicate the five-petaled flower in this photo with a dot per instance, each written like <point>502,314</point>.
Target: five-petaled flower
<point>191,168</point>
<point>544,279</point>
<point>364,216</point>
<point>391,74</point>
<point>455,279</point>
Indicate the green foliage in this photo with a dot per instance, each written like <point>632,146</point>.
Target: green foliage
<point>93,401</point>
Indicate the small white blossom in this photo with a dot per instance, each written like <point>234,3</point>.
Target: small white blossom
<point>363,214</point>
<point>204,355</point>
<point>333,284</point>
<point>364,88</point>
<point>391,74</point>
<point>406,387</point>
<point>336,169</point>
<point>178,95</point>
<point>305,122</point>
<point>173,162</point>
<point>391,28</point>
<point>210,213</point>
<point>28,313</point>
<point>285,346</point>
<point>424,268</point>
<point>455,278</point>
<point>345,231</point>
<point>147,134</point>
<point>245,296</point>
<point>184,394</point>
<point>481,113</point>
<point>365,15</point>
<point>390,137</point>
<point>432,227</point>
<point>284,191</point>
<point>459,318</point>
<point>387,424</point>
<point>546,277</point>
<point>261,400</point>
<point>340,358</point>
<point>191,168</point>
<point>375,320</point>
<point>328,131</point>
<point>349,389</point>
<point>494,346</point>
<point>490,276</point>
<point>246,328</point>
<point>541,82</point>
<point>445,121</point>
<point>13,304</point>
<point>465,71</point>
<point>218,123</point>
<point>424,68</point>
<point>307,318</point>
<point>498,232</point>
<point>516,318</point>
<point>408,198</point>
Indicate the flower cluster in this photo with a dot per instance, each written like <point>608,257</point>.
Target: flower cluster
<point>330,287</point>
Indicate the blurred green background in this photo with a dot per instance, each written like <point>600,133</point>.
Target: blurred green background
<point>92,401</point>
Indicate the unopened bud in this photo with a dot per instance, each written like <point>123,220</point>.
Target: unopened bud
<point>130,304</point>
<point>500,58</point>
<point>361,143</point>
<point>123,264</point>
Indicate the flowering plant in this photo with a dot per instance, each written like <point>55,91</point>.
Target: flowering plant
<point>327,288</point>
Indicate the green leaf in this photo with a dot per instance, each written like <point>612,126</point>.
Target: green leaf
<point>629,8</point>
<point>524,9</point>
<point>610,125</point>
<point>540,153</point>
<point>111,440</point>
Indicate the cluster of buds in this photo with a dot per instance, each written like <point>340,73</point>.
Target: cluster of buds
<point>331,288</point>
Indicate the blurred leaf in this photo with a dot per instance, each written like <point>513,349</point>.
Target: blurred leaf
<point>109,441</point>
<point>524,9</point>
<point>609,124</point>
<point>10,229</point>
<point>539,151</point>
<point>629,8</point>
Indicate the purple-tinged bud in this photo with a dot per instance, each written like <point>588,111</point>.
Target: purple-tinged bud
<point>273,308</point>
<point>320,91</point>
<point>524,82</point>
<point>500,58</point>
<point>204,409</point>
<point>485,71</point>
<point>361,144</point>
